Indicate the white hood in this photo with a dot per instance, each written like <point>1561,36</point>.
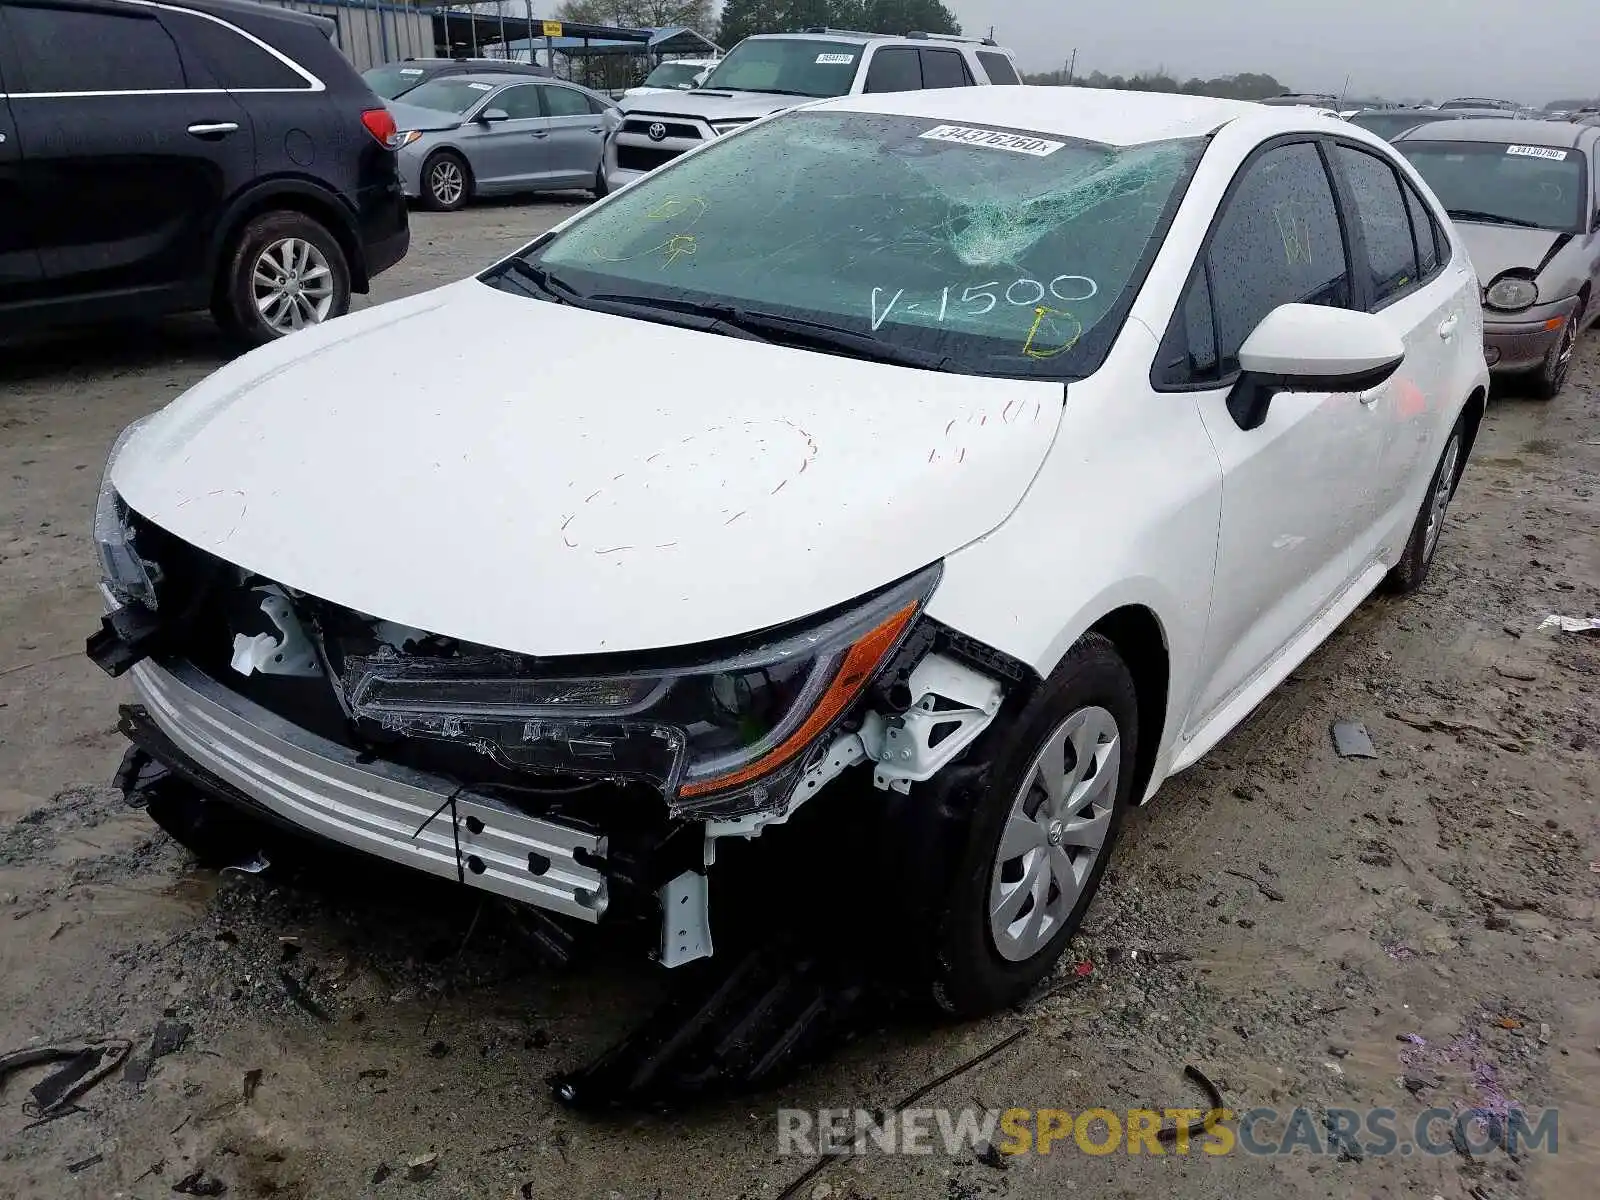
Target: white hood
<point>549,480</point>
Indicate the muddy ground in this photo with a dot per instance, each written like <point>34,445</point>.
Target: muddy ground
<point>1294,915</point>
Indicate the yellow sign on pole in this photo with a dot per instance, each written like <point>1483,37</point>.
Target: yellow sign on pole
<point>552,28</point>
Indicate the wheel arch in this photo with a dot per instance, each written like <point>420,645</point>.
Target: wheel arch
<point>1141,642</point>
<point>304,196</point>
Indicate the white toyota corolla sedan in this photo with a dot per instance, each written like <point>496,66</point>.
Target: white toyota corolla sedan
<point>957,464</point>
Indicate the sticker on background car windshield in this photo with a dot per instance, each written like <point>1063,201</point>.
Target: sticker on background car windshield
<point>835,60</point>
<point>481,87</point>
<point>411,70</point>
<point>1017,143</point>
<point>1538,152</point>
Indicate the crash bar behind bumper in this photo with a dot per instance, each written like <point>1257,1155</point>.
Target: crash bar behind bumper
<point>320,787</point>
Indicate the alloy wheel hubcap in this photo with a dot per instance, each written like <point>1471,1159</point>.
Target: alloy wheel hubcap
<point>446,182</point>
<point>292,284</point>
<point>1440,500</point>
<point>1054,833</point>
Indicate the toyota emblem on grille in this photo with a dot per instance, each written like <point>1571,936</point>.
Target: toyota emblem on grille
<point>658,132</point>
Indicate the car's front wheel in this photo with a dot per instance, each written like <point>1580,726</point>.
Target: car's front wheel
<point>1059,785</point>
<point>1552,375</point>
<point>285,271</point>
<point>446,183</point>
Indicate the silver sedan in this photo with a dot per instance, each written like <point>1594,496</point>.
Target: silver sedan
<point>1525,197</point>
<point>490,134</point>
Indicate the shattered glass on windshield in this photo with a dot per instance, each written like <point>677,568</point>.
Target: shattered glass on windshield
<point>1002,251</point>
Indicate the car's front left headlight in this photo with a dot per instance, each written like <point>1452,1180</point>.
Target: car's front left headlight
<point>723,734</point>
<point>1511,293</point>
<point>128,576</point>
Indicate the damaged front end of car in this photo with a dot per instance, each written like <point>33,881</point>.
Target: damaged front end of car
<point>578,786</point>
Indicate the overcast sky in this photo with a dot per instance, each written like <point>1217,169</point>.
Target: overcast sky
<point>1532,52</point>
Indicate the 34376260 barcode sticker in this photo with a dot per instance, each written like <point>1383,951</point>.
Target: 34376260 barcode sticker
<point>1538,152</point>
<point>993,139</point>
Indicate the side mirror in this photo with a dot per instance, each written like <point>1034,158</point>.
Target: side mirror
<point>1311,348</point>
<point>490,115</point>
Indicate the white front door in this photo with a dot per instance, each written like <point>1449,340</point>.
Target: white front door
<point>1299,489</point>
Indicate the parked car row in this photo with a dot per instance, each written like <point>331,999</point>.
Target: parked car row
<point>195,154</point>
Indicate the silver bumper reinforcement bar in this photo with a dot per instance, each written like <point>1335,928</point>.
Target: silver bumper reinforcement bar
<point>322,788</point>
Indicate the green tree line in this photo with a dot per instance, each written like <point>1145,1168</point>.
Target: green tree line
<point>1247,86</point>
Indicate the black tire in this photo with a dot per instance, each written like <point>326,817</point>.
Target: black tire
<point>442,169</point>
<point>969,975</point>
<point>1552,376</point>
<point>601,188</point>
<point>1411,572</point>
<point>235,306</point>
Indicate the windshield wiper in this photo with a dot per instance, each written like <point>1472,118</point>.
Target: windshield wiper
<point>794,331</point>
<point>1489,218</point>
<point>553,286</point>
<point>762,91</point>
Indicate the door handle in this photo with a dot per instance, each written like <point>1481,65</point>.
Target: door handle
<point>1447,327</point>
<point>540,133</point>
<point>597,129</point>
<point>213,129</point>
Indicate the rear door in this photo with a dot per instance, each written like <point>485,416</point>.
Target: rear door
<point>1406,287</point>
<point>510,153</point>
<point>577,133</point>
<point>20,272</point>
<point>129,161</point>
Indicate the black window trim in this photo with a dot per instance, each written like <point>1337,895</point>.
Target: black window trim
<point>872,59</point>
<point>1359,292</point>
<point>313,83</point>
<point>1403,182</point>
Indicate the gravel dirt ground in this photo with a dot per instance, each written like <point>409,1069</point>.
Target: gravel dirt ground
<point>1281,918</point>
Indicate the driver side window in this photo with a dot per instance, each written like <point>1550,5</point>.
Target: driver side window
<point>1278,242</point>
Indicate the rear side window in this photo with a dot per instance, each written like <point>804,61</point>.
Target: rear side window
<point>596,106</point>
<point>1422,229</point>
<point>944,69</point>
<point>998,67</point>
<point>895,69</point>
<point>235,62</point>
<point>73,50</point>
<point>1278,242</point>
<point>564,102</point>
<point>1385,224</point>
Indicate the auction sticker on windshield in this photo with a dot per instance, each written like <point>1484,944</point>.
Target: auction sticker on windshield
<point>1538,152</point>
<point>835,60</point>
<point>1017,143</point>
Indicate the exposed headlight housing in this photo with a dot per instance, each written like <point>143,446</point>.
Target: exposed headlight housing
<point>722,127</point>
<point>126,575</point>
<point>405,137</point>
<point>1511,293</point>
<point>724,735</point>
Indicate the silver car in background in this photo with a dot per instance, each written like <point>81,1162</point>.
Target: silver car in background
<point>1524,197</point>
<point>491,134</point>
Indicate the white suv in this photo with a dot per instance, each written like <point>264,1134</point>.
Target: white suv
<point>772,72</point>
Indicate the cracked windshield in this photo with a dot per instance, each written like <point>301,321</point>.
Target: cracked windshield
<point>979,250</point>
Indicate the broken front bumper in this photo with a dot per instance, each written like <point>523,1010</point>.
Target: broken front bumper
<point>405,816</point>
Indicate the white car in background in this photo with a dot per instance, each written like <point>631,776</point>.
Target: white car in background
<point>1053,429</point>
<point>674,75</point>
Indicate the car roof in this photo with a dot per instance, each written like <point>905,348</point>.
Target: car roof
<point>858,38</point>
<point>1092,114</point>
<point>1499,129</point>
<point>501,77</point>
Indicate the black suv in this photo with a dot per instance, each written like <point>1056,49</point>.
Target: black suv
<point>191,154</point>
<point>393,80</point>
